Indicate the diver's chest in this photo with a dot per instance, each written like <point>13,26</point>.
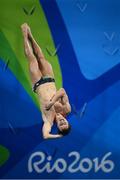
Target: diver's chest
<point>47,89</point>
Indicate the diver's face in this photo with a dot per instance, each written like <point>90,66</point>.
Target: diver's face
<point>62,123</point>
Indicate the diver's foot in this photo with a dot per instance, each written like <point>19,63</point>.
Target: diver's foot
<point>24,28</point>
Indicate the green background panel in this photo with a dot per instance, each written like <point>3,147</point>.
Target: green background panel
<point>4,155</point>
<point>11,40</point>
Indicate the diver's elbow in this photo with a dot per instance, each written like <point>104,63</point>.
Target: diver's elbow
<point>45,136</point>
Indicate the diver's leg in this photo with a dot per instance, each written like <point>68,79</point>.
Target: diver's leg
<point>36,49</point>
<point>33,64</point>
<point>45,66</point>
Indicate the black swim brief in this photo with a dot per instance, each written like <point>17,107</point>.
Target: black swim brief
<point>43,80</point>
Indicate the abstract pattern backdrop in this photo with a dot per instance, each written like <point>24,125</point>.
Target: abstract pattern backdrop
<point>81,39</point>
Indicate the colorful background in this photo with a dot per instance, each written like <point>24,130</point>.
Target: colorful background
<point>81,39</point>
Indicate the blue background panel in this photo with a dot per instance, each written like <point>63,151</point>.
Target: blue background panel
<point>94,32</point>
<point>88,34</point>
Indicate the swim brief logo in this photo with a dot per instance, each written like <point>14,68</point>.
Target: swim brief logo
<point>60,165</point>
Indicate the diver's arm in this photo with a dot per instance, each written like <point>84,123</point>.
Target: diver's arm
<point>59,94</point>
<point>46,131</point>
<point>65,102</point>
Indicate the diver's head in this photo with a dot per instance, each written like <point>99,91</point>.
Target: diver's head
<point>62,124</point>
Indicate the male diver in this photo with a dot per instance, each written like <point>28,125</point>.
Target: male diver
<point>54,104</point>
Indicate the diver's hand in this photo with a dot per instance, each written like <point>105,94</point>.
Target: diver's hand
<point>49,105</point>
<point>52,136</point>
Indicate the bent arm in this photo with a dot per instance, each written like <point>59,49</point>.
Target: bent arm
<point>66,104</point>
<point>64,100</point>
<point>59,94</point>
<point>46,131</point>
